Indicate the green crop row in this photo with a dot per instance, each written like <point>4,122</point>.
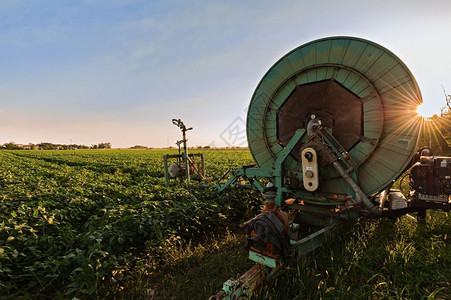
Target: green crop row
<point>69,220</point>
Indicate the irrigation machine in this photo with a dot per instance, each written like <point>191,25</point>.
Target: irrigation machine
<point>331,126</point>
<point>184,163</point>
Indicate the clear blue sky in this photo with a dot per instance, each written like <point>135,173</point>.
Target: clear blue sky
<point>119,71</point>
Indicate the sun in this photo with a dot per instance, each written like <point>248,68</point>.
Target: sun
<point>425,111</point>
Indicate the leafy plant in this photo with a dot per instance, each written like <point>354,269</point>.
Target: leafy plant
<point>71,222</point>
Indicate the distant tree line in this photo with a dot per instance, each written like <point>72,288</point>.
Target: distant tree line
<point>51,146</point>
<point>140,147</point>
<point>101,146</point>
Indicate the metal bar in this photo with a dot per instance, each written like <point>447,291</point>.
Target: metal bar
<point>264,260</point>
<point>315,128</point>
<point>185,155</point>
<point>195,154</point>
<point>259,185</point>
<point>346,215</point>
<point>315,220</point>
<point>202,161</point>
<point>193,163</point>
<point>260,172</point>
<point>314,240</point>
<point>340,152</point>
<point>223,176</point>
<point>277,173</point>
<point>174,155</point>
<point>360,195</point>
<point>279,194</point>
<point>232,179</point>
<point>290,146</point>
<point>166,175</point>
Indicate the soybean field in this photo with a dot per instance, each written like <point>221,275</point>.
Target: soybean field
<point>95,224</point>
<point>73,222</point>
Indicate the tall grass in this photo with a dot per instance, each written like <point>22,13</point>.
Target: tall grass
<point>374,259</point>
<point>371,259</point>
<point>190,271</point>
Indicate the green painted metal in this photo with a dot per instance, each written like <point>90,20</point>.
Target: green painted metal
<point>327,214</point>
<point>245,286</point>
<point>275,171</point>
<point>268,267</point>
<point>264,260</point>
<point>278,170</point>
<point>232,289</point>
<point>389,95</point>
<point>315,240</point>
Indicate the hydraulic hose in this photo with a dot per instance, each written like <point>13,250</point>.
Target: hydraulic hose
<point>360,195</point>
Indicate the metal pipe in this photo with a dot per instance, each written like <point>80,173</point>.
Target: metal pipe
<point>185,155</point>
<point>312,126</point>
<point>383,198</point>
<point>202,161</point>
<point>179,123</point>
<point>360,195</point>
<point>166,172</point>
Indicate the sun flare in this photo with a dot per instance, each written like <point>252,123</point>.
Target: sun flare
<point>425,111</point>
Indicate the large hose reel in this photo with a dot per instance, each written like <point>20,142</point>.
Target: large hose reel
<point>365,98</point>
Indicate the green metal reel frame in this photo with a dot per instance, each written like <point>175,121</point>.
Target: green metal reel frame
<point>277,174</point>
<point>386,89</point>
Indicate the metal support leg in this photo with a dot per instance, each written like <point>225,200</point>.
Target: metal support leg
<point>166,171</point>
<point>314,240</point>
<point>202,161</point>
